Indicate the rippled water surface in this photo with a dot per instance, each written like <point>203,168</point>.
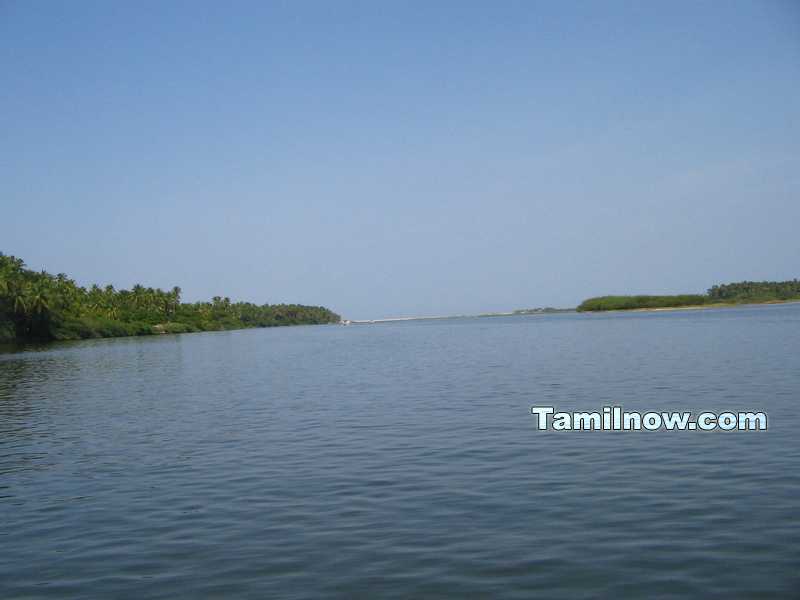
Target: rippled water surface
<point>401,460</point>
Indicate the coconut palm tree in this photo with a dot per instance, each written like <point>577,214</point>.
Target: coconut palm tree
<point>39,299</point>
<point>138,295</point>
<point>20,302</point>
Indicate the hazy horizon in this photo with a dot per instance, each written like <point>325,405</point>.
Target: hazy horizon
<point>403,160</point>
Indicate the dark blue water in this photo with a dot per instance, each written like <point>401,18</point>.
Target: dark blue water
<point>401,460</point>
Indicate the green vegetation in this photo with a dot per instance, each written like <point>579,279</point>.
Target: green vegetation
<point>41,306</point>
<point>744,292</point>
<point>634,302</point>
<point>755,291</point>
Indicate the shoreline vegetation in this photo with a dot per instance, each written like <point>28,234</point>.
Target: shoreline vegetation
<point>38,306</point>
<point>718,296</point>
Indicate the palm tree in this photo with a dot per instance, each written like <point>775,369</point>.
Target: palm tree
<point>39,299</point>
<point>175,297</point>
<point>138,295</point>
<point>20,303</point>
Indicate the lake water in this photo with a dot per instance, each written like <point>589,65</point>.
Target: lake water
<point>401,460</point>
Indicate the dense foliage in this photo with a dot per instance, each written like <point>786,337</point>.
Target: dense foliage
<point>728,293</point>
<point>44,306</point>
<point>755,291</point>
<point>632,302</point>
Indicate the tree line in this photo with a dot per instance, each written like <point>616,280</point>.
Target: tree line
<point>742,292</point>
<point>753,291</point>
<point>41,306</point>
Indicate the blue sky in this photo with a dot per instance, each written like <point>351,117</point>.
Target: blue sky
<point>402,158</point>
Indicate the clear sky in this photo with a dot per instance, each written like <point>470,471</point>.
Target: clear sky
<point>402,158</point>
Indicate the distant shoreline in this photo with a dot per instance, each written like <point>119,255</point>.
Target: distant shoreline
<point>693,307</point>
<point>702,306</point>
<point>717,296</point>
<point>571,310</point>
<point>513,313</point>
